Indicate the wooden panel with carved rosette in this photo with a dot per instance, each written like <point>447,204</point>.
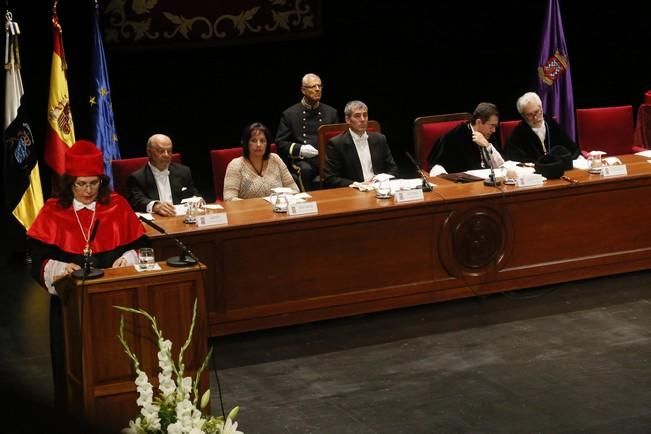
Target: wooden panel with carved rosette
<point>100,375</point>
<point>363,254</point>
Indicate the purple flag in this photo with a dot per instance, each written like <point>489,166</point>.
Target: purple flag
<point>554,78</point>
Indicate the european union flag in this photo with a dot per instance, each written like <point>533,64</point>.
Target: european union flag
<point>104,134</point>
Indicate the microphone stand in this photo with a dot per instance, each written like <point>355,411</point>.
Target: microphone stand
<point>426,185</point>
<point>87,271</point>
<point>492,179</point>
<point>185,259</point>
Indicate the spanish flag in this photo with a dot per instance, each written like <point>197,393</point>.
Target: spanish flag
<point>61,132</point>
<point>23,192</point>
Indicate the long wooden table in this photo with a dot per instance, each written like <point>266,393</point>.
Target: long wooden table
<point>361,254</point>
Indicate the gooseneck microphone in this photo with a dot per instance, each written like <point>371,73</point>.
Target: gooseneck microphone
<point>185,259</point>
<point>87,271</point>
<point>426,185</point>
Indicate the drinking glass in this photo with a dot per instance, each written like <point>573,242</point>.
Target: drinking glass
<point>146,258</point>
<point>279,201</point>
<point>383,189</point>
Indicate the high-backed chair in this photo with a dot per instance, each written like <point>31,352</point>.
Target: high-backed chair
<point>608,129</point>
<point>219,159</point>
<point>427,129</point>
<point>642,135</point>
<point>506,129</point>
<point>125,167</point>
<point>326,132</point>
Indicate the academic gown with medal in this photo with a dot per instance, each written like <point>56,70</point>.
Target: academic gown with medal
<point>57,234</point>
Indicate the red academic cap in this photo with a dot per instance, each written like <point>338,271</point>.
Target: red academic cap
<point>84,159</point>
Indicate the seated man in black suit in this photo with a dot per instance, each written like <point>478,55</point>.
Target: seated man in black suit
<point>469,146</point>
<point>537,134</point>
<point>160,183</point>
<point>357,155</point>
<point>296,136</point>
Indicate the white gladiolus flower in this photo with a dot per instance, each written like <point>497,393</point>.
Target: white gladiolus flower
<point>230,427</point>
<point>187,384</point>
<point>173,396</point>
<point>174,428</point>
<point>166,385</point>
<point>165,345</point>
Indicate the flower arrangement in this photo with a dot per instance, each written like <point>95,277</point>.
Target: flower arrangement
<point>172,411</point>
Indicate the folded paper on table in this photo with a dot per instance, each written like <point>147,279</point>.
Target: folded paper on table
<point>212,206</point>
<point>406,184</point>
<point>581,163</point>
<point>530,180</point>
<point>361,186</point>
<point>612,161</point>
<point>180,209</point>
<point>395,184</point>
<point>280,190</point>
<point>291,198</point>
<point>382,177</point>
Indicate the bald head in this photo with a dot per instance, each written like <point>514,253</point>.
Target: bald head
<point>159,151</point>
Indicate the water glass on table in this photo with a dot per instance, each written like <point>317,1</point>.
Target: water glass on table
<point>146,258</point>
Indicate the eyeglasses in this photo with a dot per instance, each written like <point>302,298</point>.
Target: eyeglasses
<point>83,185</point>
<point>314,86</point>
<point>533,115</point>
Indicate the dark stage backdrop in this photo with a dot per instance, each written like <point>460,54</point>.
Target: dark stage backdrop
<point>404,59</point>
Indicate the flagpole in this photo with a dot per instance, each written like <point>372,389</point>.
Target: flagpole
<point>23,193</point>
<point>60,133</point>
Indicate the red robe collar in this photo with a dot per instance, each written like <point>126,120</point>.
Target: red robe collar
<point>119,226</point>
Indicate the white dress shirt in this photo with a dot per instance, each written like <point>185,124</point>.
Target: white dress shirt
<point>541,132</point>
<point>364,154</point>
<point>162,178</point>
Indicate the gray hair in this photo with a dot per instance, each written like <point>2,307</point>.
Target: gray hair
<point>354,105</point>
<point>526,99</point>
<point>484,111</point>
<point>307,77</point>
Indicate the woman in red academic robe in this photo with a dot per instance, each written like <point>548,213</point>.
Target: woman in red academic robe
<point>62,233</point>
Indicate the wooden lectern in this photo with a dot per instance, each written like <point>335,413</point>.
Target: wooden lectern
<point>99,375</point>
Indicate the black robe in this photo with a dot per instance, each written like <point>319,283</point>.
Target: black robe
<point>525,146</point>
<point>456,151</point>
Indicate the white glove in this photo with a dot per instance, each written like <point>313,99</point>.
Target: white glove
<point>308,151</point>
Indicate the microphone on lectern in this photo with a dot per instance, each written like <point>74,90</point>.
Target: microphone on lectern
<point>186,258</point>
<point>492,180</point>
<point>426,185</point>
<point>87,271</point>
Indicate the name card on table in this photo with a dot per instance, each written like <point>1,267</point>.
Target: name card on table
<point>218,218</point>
<point>302,208</point>
<point>530,180</point>
<point>616,170</point>
<point>408,195</point>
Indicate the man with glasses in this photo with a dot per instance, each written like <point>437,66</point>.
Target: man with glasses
<point>160,184</point>
<point>536,135</point>
<point>469,146</point>
<point>296,135</point>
